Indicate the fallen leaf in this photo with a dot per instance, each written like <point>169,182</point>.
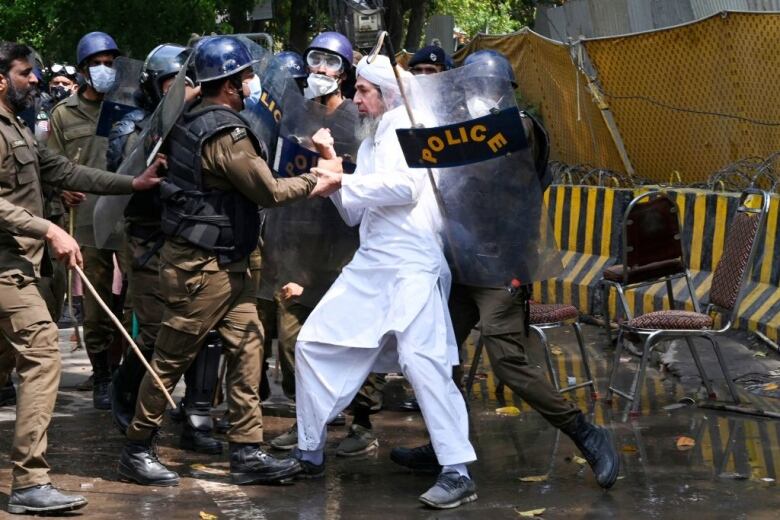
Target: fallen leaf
<point>685,443</point>
<point>556,351</point>
<point>534,478</point>
<point>508,410</point>
<point>771,386</point>
<point>628,448</point>
<point>759,354</point>
<point>207,516</point>
<point>578,460</point>
<point>530,513</point>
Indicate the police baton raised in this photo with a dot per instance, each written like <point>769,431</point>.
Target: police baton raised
<point>384,42</point>
<point>126,335</point>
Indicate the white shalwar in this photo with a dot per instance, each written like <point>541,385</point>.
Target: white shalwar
<point>388,308</point>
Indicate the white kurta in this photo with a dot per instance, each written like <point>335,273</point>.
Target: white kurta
<point>388,308</point>
<point>400,260</point>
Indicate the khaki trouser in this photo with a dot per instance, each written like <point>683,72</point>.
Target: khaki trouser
<point>99,330</point>
<point>143,292</point>
<point>27,331</point>
<point>288,319</point>
<point>501,320</point>
<point>195,303</point>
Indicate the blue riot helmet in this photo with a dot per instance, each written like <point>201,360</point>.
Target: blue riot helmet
<point>95,43</point>
<point>164,61</point>
<point>220,57</point>
<point>292,62</point>
<point>492,63</point>
<point>332,43</point>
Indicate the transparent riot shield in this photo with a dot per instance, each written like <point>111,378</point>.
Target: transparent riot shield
<point>308,242</point>
<point>481,153</point>
<point>108,215</point>
<point>124,95</point>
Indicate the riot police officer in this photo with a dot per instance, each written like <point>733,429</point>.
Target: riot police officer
<point>501,318</point>
<point>217,177</point>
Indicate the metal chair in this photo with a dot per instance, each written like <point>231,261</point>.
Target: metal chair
<point>546,316</point>
<point>725,296</point>
<point>652,253</point>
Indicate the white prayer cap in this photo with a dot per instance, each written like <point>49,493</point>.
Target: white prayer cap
<point>380,73</point>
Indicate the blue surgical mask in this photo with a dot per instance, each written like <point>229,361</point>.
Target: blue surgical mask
<point>255,90</point>
<point>102,78</point>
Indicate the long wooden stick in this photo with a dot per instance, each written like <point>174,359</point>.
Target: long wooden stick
<point>126,335</point>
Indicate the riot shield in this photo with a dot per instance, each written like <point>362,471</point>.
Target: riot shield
<point>124,96</point>
<point>496,226</point>
<point>308,242</point>
<point>108,214</point>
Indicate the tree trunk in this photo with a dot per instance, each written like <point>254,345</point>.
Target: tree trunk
<point>394,21</point>
<point>299,25</point>
<point>416,23</point>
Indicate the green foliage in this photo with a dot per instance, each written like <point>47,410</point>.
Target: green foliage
<point>495,17</point>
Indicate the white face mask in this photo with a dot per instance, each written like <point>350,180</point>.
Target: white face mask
<point>319,85</point>
<point>479,107</point>
<point>102,78</point>
<point>255,90</point>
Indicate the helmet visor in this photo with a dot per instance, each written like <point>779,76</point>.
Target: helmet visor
<point>58,70</point>
<point>319,59</point>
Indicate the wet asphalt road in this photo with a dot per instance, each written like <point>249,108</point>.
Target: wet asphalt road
<point>729,472</point>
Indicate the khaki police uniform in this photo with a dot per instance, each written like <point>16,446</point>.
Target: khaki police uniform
<point>26,327</point>
<point>73,124</point>
<point>200,294</point>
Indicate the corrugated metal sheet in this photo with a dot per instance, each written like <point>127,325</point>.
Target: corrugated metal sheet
<point>595,18</point>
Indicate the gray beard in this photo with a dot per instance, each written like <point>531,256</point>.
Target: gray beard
<point>20,99</point>
<point>367,127</point>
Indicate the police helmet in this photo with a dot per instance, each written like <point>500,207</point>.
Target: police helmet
<point>492,63</point>
<point>164,61</point>
<point>290,61</point>
<point>219,57</point>
<point>95,43</point>
<point>332,42</point>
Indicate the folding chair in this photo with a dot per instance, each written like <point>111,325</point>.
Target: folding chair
<point>652,253</point>
<point>725,296</point>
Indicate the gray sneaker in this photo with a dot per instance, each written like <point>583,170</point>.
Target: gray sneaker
<point>359,441</point>
<point>451,490</point>
<point>286,441</point>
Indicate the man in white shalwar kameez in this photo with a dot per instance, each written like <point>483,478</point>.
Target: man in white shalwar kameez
<point>388,308</point>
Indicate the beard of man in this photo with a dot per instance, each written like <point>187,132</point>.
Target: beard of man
<point>367,127</point>
<point>21,98</point>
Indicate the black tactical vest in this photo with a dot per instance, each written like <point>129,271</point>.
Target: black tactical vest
<point>225,222</point>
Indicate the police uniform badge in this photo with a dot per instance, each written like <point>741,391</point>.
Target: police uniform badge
<point>238,134</point>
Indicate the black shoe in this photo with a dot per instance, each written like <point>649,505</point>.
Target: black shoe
<point>177,414</point>
<point>139,464</point>
<point>222,425</point>
<point>43,499</point>
<point>199,441</point>
<point>309,470</point>
<point>597,447</point>
<point>100,395</point>
<point>451,490</point>
<point>410,405</point>
<point>422,458</point>
<point>8,394</point>
<point>251,465</point>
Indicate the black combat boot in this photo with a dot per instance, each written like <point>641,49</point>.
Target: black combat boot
<point>8,394</point>
<point>102,372</point>
<point>196,433</point>
<point>421,458</point>
<point>43,499</point>
<point>139,464</point>
<point>124,389</point>
<point>597,447</point>
<point>251,465</point>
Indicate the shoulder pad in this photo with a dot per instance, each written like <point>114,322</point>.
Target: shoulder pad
<point>237,134</point>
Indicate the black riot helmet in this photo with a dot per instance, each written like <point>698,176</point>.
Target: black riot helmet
<point>164,61</point>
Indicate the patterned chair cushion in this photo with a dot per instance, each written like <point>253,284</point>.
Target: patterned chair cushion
<point>727,279</point>
<point>552,312</point>
<point>683,320</point>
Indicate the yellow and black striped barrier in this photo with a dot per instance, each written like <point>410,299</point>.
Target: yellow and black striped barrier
<point>588,223</point>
